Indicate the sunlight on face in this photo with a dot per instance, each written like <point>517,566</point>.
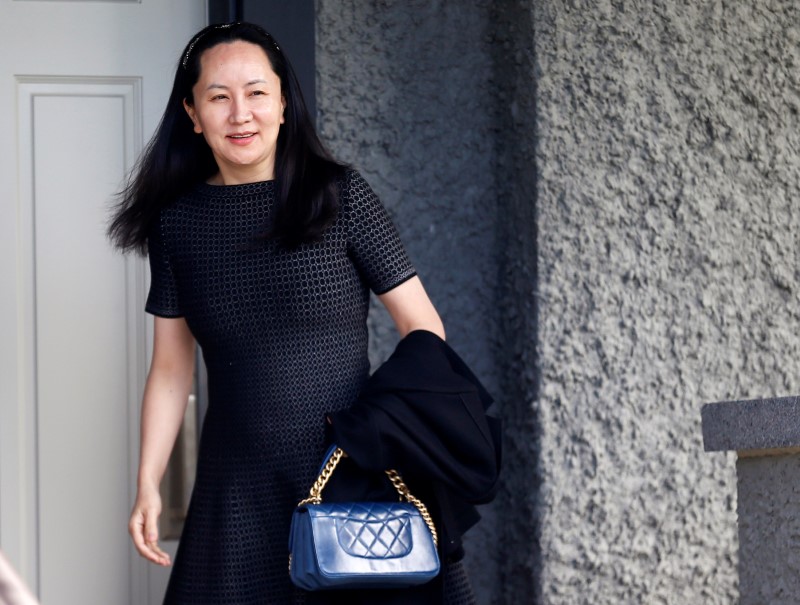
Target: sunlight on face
<point>238,107</point>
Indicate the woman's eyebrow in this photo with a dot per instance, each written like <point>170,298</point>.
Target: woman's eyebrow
<point>250,83</point>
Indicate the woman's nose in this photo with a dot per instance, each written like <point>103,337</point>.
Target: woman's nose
<point>240,113</point>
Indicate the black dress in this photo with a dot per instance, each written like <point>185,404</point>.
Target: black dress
<point>284,338</point>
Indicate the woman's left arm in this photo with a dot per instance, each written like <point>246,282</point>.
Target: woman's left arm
<point>411,309</point>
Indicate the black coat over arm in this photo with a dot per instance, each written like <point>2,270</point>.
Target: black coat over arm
<point>423,412</point>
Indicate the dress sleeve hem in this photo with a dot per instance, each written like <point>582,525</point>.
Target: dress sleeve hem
<point>162,312</point>
<point>394,284</point>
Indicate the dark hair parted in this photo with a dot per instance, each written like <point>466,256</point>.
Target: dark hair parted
<point>177,158</point>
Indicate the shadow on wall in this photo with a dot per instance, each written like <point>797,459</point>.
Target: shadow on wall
<point>422,98</point>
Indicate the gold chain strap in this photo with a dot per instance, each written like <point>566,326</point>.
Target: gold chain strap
<point>403,490</point>
<point>315,494</point>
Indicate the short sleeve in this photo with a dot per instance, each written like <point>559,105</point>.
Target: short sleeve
<point>373,241</point>
<point>163,297</point>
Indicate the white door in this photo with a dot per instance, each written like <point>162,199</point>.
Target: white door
<point>82,86</point>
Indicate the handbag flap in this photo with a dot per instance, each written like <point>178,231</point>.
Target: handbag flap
<point>383,538</point>
<point>375,530</point>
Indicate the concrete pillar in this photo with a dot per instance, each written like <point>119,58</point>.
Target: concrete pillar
<point>766,437</point>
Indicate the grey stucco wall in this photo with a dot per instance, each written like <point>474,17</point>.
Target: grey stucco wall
<point>403,94</point>
<point>668,176</point>
<point>425,147</point>
<point>514,97</point>
<point>600,198</point>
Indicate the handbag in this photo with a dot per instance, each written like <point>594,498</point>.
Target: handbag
<point>361,544</point>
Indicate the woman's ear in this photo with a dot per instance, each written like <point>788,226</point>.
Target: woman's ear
<point>192,116</point>
<point>283,109</point>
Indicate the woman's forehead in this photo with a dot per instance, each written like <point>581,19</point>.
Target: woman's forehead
<point>237,60</point>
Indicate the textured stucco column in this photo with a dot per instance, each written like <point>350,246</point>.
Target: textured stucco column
<point>668,182</point>
<point>766,436</point>
<point>602,200</point>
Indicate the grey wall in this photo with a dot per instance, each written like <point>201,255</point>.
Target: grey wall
<point>668,276</point>
<point>600,197</point>
<point>403,94</point>
<point>513,94</point>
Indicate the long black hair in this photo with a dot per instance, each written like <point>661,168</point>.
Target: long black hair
<point>176,158</point>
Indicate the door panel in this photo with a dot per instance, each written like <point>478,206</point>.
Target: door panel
<point>83,86</point>
<point>80,311</point>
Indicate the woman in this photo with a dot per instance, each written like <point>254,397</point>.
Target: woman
<point>263,250</point>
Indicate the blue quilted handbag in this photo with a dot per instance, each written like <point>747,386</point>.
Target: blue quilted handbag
<point>361,544</point>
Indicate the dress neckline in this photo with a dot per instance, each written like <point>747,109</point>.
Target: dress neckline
<point>226,192</point>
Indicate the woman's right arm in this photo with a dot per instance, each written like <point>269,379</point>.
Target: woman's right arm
<point>166,394</point>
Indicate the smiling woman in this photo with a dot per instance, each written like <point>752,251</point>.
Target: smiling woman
<point>263,250</point>
<point>238,106</point>
<point>183,152</point>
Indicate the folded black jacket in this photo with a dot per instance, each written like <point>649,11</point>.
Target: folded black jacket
<point>423,412</point>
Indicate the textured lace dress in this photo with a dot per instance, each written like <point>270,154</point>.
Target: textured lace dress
<point>284,338</point>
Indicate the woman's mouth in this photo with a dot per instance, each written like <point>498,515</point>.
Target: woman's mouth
<point>241,138</point>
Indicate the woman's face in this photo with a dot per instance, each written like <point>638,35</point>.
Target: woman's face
<point>238,108</point>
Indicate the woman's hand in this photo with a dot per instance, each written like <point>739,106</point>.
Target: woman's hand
<point>165,397</point>
<point>143,526</point>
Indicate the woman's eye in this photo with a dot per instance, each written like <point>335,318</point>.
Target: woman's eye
<point>218,97</point>
<point>258,92</point>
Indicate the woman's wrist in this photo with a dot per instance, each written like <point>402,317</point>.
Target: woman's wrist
<point>148,481</point>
